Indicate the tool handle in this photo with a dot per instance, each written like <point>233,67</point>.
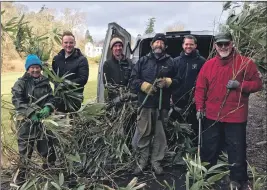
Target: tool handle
<point>160,99</point>
<point>199,136</point>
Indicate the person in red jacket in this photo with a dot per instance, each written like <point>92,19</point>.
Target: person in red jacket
<point>222,92</point>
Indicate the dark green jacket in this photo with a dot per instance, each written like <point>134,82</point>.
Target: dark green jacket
<point>25,92</point>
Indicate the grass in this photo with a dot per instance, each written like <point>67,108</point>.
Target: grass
<point>8,80</point>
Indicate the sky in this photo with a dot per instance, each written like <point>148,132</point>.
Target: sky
<point>133,16</point>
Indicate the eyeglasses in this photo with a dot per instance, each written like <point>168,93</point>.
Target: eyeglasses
<point>221,44</point>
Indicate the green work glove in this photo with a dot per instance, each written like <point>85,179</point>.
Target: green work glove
<point>34,118</point>
<point>45,112</point>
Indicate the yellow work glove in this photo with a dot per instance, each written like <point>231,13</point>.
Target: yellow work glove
<point>164,82</point>
<point>147,88</point>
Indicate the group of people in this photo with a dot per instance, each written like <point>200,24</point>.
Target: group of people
<point>34,100</point>
<point>217,90</point>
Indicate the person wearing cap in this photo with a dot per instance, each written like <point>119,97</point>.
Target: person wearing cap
<point>32,97</point>
<point>116,70</point>
<point>71,60</point>
<point>222,93</point>
<point>189,64</point>
<point>155,66</point>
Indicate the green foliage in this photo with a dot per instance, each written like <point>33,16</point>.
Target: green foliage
<point>26,42</point>
<point>259,181</point>
<point>88,37</point>
<point>150,26</point>
<point>199,177</point>
<point>67,91</point>
<point>11,26</point>
<point>249,30</point>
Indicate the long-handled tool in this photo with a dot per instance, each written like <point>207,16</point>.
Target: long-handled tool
<point>160,99</point>
<point>144,101</point>
<point>199,136</point>
<point>160,75</point>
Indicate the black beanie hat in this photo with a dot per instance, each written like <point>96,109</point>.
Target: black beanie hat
<point>159,36</point>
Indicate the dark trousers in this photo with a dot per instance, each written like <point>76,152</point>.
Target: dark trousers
<point>234,135</point>
<point>44,148</point>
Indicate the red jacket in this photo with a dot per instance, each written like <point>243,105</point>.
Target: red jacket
<point>211,87</point>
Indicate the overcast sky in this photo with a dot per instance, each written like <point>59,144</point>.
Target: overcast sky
<point>133,15</point>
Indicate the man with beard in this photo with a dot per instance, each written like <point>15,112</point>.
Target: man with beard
<point>156,66</point>
<point>222,93</point>
<point>117,70</point>
<point>189,64</point>
<point>71,60</point>
<point>31,92</point>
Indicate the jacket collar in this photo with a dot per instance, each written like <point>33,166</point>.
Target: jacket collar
<point>76,53</point>
<point>193,54</point>
<point>163,57</point>
<point>28,77</point>
<point>117,61</point>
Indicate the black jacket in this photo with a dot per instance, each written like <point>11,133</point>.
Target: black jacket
<point>25,92</point>
<point>188,68</point>
<point>76,63</point>
<point>117,72</point>
<point>147,70</point>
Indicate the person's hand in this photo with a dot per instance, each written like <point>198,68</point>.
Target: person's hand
<point>148,88</point>
<point>200,114</point>
<point>232,84</point>
<point>164,82</point>
<point>45,112</point>
<point>34,118</point>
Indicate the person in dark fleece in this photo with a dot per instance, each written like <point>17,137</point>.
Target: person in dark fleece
<point>71,60</point>
<point>188,65</point>
<point>117,70</point>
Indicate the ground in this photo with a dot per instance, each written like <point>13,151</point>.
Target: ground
<point>257,133</point>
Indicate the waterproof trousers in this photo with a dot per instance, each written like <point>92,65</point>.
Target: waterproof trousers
<point>234,135</point>
<point>150,133</point>
<point>44,148</point>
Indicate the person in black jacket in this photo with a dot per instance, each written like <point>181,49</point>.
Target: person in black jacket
<point>117,70</point>
<point>71,60</point>
<point>156,66</point>
<point>188,64</point>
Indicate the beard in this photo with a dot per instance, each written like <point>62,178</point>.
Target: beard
<point>158,50</point>
<point>224,54</point>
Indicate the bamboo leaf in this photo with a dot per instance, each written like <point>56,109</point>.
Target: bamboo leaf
<point>46,186</point>
<point>56,185</point>
<point>197,185</point>
<point>198,166</point>
<point>82,187</point>
<point>61,179</point>
<point>216,167</point>
<point>73,158</point>
<point>227,5</point>
<point>217,177</point>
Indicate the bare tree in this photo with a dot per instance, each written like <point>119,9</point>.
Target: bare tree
<point>177,26</point>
